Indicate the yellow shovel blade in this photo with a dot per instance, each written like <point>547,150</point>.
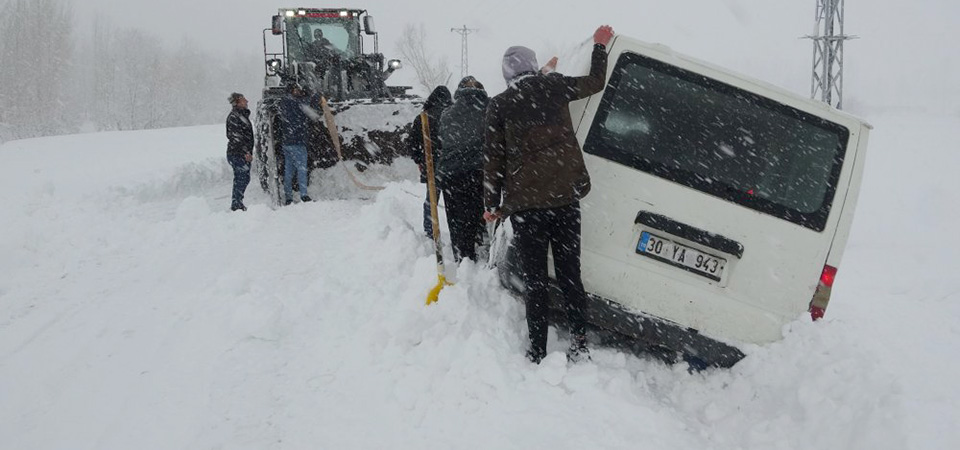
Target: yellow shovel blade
<point>434,293</point>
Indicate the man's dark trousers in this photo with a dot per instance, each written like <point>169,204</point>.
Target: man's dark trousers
<point>241,177</point>
<point>535,230</point>
<point>463,198</point>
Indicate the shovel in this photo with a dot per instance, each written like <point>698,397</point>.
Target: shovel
<point>434,293</point>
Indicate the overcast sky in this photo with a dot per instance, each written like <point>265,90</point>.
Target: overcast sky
<point>906,56</point>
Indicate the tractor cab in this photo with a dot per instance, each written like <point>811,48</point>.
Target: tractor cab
<point>323,50</point>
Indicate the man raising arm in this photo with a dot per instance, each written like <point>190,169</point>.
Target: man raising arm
<point>534,172</point>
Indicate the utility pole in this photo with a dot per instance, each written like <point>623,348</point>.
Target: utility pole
<point>827,79</point>
<point>464,55</point>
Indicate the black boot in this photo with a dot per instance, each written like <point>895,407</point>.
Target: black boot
<point>578,351</point>
<point>535,356</point>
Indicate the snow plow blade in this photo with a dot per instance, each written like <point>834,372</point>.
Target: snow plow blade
<point>370,132</point>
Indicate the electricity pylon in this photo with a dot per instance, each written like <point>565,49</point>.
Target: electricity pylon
<point>827,80</point>
<point>464,55</point>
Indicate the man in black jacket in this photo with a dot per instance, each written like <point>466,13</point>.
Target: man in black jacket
<point>239,148</point>
<point>460,167</point>
<point>440,99</point>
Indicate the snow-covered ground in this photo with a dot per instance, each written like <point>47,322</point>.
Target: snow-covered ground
<point>137,312</point>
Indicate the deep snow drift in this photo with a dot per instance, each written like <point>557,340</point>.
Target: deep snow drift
<point>136,311</point>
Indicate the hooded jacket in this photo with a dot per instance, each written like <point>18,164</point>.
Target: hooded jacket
<point>439,100</point>
<point>533,159</point>
<point>462,132</point>
<point>239,132</point>
<point>295,119</point>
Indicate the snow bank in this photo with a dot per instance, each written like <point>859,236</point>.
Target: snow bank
<point>136,311</point>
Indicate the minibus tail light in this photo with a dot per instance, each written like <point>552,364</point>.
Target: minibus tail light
<point>821,297</point>
<point>828,275</point>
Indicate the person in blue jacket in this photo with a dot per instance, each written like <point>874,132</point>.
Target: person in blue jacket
<point>295,113</point>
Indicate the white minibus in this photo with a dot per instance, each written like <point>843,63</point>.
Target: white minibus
<point>720,204</point>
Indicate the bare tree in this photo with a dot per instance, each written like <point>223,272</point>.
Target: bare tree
<point>36,50</point>
<point>431,71</point>
<point>113,79</point>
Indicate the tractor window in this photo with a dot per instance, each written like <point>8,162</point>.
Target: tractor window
<point>316,38</point>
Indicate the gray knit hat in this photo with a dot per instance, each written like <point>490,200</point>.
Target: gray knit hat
<point>235,97</point>
<point>518,60</point>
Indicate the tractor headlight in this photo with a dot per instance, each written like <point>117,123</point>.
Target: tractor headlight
<point>344,13</point>
<point>291,13</point>
<point>394,64</point>
<point>273,66</point>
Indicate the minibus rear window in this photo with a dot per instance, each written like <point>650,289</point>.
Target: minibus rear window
<point>720,140</point>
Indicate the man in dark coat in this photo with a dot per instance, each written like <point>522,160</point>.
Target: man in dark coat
<point>461,167</point>
<point>295,117</point>
<point>239,148</point>
<point>328,60</point>
<point>439,100</point>
<point>320,48</point>
<point>534,172</point>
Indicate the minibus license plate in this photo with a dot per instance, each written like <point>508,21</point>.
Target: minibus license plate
<point>665,250</point>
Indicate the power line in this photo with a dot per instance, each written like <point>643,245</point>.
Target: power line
<point>464,53</point>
